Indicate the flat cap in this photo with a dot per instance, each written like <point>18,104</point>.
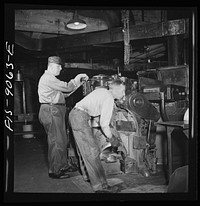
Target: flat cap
<point>55,59</point>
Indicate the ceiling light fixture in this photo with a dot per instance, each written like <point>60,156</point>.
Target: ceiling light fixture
<point>76,23</point>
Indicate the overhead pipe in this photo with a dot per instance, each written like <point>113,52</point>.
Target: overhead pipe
<point>151,53</point>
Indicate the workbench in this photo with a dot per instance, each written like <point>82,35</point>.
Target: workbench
<point>170,126</point>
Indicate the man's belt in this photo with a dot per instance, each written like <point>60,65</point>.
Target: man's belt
<point>52,104</point>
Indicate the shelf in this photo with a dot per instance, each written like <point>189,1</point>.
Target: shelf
<point>29,132</point>
<point>28,117</point>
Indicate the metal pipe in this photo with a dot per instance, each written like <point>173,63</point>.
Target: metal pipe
<point>23,96</point>
<point>162,108</point>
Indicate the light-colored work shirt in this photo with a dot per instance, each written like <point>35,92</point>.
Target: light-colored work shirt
<point>52,90</point>
<point>99,102</point>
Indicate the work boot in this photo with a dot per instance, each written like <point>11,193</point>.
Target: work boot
<point>144,172</point>
<point>60,175</point>
<point>109,189</point>
<point>85,178</point>
<point>69,169</point>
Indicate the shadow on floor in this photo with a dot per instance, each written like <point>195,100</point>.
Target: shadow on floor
<point>31,173</point>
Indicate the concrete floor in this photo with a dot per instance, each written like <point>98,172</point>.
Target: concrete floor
<point>31,173</point>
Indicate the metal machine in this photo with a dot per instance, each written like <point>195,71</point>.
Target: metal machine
<point>133,124</point>
<point>160,93</point>
<point>168,89</point>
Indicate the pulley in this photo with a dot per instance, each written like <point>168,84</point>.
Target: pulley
<point>139,104</point>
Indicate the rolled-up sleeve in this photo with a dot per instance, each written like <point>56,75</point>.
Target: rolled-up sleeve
<point>106,112</point>
<point>62,86</point>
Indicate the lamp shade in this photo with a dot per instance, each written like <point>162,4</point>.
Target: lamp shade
<point>76,23</point>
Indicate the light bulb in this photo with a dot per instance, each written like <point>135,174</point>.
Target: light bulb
<point>76,23</point>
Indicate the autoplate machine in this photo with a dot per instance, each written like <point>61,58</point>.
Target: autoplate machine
<point>133,124</point>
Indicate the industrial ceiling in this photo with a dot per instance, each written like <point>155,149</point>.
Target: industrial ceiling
<point>39,31</point>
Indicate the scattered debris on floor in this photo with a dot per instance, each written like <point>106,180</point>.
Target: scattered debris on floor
<point>146,189</point>
<point>31,174</point>
<point>81,184</point>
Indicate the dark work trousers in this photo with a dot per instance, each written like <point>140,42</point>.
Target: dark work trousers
<point>88,148</point>
<point>53,120</point>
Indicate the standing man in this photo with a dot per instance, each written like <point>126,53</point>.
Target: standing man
<point>98,103</point>
<point>52,93</point>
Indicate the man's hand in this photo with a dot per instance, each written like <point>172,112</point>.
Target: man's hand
<point>80,78</point>
<point>115,139</point>
<point>114,142</point>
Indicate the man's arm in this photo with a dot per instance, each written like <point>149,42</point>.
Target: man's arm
<point>68,94</point>
<point>61,86</point>
<point>105,117</point>
<point>111,134</point>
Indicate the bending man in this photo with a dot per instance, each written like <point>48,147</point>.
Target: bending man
<point>99,102</point>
